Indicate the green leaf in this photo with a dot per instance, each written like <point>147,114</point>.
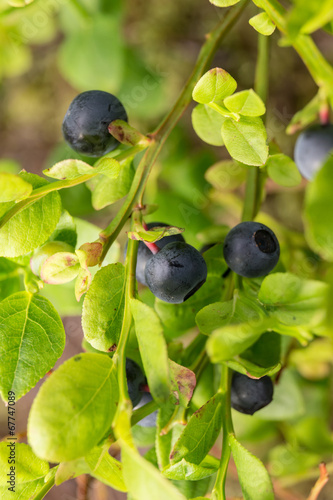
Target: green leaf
<point>74,408</point>
<point>65,230</point>
<point>240,309</point>
<point>318,212</point>
<point>13,187</point>
<point>180,317</point>
<point>126,134</point>
<point>105,468</point>
<point>253,477</point>
<point>263,24</point>
<point>19,3</point>
<point>226,175</point>
<point>73,169</point>
<point>39,220</point>
<point>246,103</point>
<point>9,278</point>
<point>106,191</point>
<point>200,433</point>
<point>103,308</point>
<point>184,470</point>
<point>288,402</point>
<point>214,86</point>
<point>32,338</point>
<point>207,124</point>
<point>248,368</point>
<point>60,268</point>
<point>92,57</point>
<point>323,14</point>
<point>294,301</point>
<point>143,480</point>
<point>246,140</point>
<point>29,472</point>
<point>224,3</point>
<point>153,350</point>
<point>283,170</point>
<point>183,383</point>
<point>154,233</point>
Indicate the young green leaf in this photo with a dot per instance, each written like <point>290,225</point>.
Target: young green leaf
<point>184,470</point>
<point>306,115</point>
<point>105,468</point>
<point>226,175</point>
<point>106,191</point>
<point>253,477</point>
<point>283,170</point>
<point>65,230</point>
<point>294,301</point>
<point>60,268</point>
<point>214,86</point>
<point>74,408</point>
<point>126,134</point>
<point>13,187</point>
<point>29,471</point>
<point>207,124</point>
<point>200,433</point>
<point>72,169</point>
<point>246,367</point>
<point>224,3</point>
<point>263,24</point>
<point>32,338</point>
<point>40,219</point>
<point>318,212</point>
<point>153,350</point>
<point>246,103</point>
<point>246,140</point>
<point>102,325</point>
<point>143,480</point>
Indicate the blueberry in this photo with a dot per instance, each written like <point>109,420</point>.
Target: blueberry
<point>150,420</point>
<point>144,254</point>
<point>312,148</point>
<point>251,249</point>
<point>135,380</point>
<point>85,126</point>
<point>176,272</point>
<point>249,395</point>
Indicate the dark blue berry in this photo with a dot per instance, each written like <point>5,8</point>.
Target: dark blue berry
<point>312,148</point>
<point>249,395</point>
<point>144,254</point>
<point>135,381</point>
<point>251,249</point>
<point>85,126</point>
<point>176,272</point>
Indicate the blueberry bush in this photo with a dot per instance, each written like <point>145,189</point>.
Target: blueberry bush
<point>207,320</point>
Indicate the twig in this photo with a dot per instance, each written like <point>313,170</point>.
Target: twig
<point>320,483</point>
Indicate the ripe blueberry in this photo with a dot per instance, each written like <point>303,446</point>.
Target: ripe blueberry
<point>144,254</point>
<point>249,395</point>
<point>44,252</point>
<point>149,420</point>
<point>312,148</point>
<point>176,272</point>
<point>85,126</point>
<point>251,249</point>
<point>135,380</point>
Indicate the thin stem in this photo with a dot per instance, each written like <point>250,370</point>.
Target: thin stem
<point>218,492</point>
<point>160,135</point>
<point>255,178</point>
<point>81,9</point>
<point>320,70</point>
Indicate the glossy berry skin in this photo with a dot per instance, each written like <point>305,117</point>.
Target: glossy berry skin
<point>249,395</point>
<point>135,380</point>
<point>149,420</point>
<point>176,272</point>
<point>251,249</point>
<point>312,149</point>
<point>144,254</point>
<point>85,126</point>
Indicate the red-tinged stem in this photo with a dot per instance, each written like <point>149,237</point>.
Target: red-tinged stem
<point>152,247</point>
<point>324,114</point>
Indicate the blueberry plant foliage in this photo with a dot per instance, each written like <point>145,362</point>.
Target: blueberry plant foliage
<point>227,335</point>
